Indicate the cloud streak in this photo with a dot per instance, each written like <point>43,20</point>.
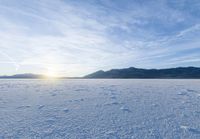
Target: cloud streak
<point>74,38</point>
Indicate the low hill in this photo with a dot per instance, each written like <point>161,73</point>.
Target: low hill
<point>23,76</point>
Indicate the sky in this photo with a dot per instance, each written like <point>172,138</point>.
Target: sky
<point>78,37</point>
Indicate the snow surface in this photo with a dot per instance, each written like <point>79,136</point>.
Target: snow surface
<point>102,109</point>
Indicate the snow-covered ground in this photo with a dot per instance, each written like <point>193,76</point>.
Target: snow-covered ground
<point>113,109</point>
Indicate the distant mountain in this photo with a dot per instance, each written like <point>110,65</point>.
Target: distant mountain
<point>174,73</point>
<point>180,72</point>
<point>23,76</point>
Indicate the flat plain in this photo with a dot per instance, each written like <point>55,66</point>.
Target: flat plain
<point>100,108</point>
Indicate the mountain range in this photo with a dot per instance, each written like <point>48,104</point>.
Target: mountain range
<point>132,72</point>
<point>180,72</point>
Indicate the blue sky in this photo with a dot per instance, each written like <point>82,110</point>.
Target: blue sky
<point>77,37</point>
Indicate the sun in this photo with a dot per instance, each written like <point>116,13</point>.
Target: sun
<point>50,73</point>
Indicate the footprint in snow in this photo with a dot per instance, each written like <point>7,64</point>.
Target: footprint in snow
<point>113,97</point>
<point>125,109</point>
<point>77,100</point>
<point>190,90</point>
<point>81,89</point>
<point>23,107</point>
<point>189,129</point>
<point>112,93</point>
<point>41,106</point>
<point>194,91</point>
<point>112,103</point>
<point>53,94</point>
<point>183,93</point>
<point>155,105</point>
<point>66,110</point>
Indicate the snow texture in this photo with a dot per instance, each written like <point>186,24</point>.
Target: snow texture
<point>100,109</point>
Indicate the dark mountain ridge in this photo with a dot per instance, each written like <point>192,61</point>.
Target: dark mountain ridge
<point>180,72</point>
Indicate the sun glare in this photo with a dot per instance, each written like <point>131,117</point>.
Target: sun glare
<point>51,74</point>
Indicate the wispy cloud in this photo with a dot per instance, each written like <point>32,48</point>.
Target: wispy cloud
<point>78,37</point>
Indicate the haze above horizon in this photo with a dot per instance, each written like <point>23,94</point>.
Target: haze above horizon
<point>75,38</point>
